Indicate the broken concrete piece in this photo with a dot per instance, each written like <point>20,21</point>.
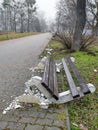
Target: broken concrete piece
<point>28,98</point>
<point>40,66</point>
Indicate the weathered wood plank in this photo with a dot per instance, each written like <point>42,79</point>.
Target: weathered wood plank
<point>45,79</point>
<point>51,78</point>
<point>79,78</point>
<point>55,82</point>
<point>73,88</point>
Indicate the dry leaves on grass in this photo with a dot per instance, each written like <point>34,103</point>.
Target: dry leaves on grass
<point>83,127</point>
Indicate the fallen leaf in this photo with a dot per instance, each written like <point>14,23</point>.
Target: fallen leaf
<point>83,127</point>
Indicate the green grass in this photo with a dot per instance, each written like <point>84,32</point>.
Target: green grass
<point>13,35</point>
<point>84,110</point>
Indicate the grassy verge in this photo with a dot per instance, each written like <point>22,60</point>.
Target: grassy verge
<point>83,112</point>
<point>15,35</point>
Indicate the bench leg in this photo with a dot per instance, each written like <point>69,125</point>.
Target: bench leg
<point>66,96</point>
<point>30,97</point>
<point>36,81</point>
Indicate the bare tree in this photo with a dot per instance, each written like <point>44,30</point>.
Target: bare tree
<point>31,8</point>
<point>66,16</point>
<point>6,5</point>
<point>20,16</point>
<point>80,24</point>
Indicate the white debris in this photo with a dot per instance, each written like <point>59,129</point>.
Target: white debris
<point>4,112</point>
<point>29,82</point>
<point>44,105</point>
<point>40,66</point>
<point>91,87</point>
<point>14,105</point>
<point>75,124</point>
<point>12,96</point>
<point>37,77</point>
<point>95,70</point>
<point>72,59</point>
<point>36,97</point>
<point>48,49</point>
<point>48,52</point>
<point>57,70</point>
<point>58,67</point>
<point>26,90</point>
<point>28,98</point>
<point>31,94</point>
<point>3,100</point>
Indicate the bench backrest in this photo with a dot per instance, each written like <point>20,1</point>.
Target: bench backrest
<point>79,78</point>
<point>49,80</point>
<point>69,64</point>
<point>72,85</point>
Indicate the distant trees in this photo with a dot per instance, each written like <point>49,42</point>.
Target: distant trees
<point>19,16</point>
<point>71,21</point>
<point>66,16</point>
<point>31,8</point>
<point>5,16</point>
<point>92,15</point>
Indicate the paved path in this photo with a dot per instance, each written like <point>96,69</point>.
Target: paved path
<point>16,57</point>
<point>34,118</point>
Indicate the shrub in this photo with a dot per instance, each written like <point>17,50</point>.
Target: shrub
<point>64,38</point>
<point>67,40</point>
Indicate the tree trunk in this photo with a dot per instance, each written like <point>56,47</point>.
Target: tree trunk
<point>80,24</point>
<point>21,25</point>
<point>28,27</point>
<point>6,23</point>
<point>96,26</point>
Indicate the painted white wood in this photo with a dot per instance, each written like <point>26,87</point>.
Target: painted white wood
<point>36,81</point>
<point>28,98</point>
<point>66,96</point>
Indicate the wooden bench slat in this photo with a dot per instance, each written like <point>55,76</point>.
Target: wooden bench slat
<point>79,78</point>
<point>51,78</point>
<point>45,79</point>
<point>73,88</point>
<point>55,82</point>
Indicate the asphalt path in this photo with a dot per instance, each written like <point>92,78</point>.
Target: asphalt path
<point>16,57</point>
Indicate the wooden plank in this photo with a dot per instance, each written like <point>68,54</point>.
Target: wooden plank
<point>51,78</point>
<point>45,79</point>
<point>73,88</point>
<point>79,78</point>
<point>55,82</point>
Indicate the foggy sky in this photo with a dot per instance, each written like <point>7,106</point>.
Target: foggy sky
<point>48,7</point>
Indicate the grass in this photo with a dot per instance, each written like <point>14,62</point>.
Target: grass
<point>85,110</point>
<point>13,35</point>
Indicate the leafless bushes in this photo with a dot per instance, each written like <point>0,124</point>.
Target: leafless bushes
<point>64,39</point>
<point>67,40</point>
<point>86,41</point>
